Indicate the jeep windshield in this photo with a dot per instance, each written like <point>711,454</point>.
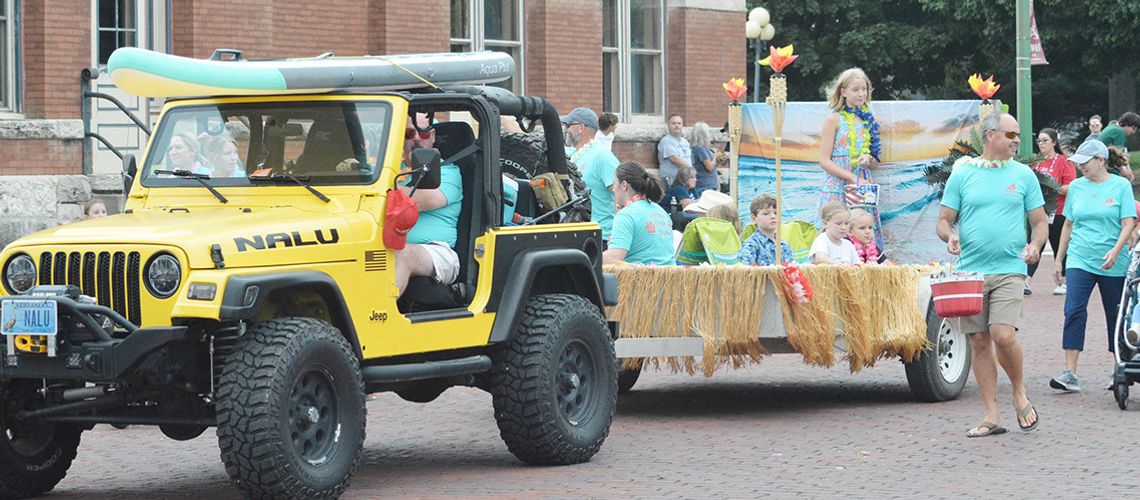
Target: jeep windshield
<point>324,142</point>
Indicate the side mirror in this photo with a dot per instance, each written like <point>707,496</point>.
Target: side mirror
<point>425,162</point>
<point>130,170</point>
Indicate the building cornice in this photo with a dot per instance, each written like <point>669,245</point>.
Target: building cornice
<point>722,5</point>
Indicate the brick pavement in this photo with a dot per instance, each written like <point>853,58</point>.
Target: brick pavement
<point>782,429</point>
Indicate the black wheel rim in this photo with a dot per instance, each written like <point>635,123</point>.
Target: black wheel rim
<point>314,417</point>
<point>25,438</point>
<point>576,382</point>
<point>29,440</point>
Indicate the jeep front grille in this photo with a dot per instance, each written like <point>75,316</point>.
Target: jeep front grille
<point>113,278</point>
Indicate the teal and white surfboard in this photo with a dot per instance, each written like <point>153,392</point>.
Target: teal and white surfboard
<point>153,74</point>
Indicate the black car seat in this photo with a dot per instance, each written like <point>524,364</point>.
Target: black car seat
<point>327,144</point>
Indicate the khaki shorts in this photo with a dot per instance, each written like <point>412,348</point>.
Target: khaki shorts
<point>1002,296</point>
<point>445,262</point>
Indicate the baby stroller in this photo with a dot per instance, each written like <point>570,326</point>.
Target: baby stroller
<point>1127,370</point>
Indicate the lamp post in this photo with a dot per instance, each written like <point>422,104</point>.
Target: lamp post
<point>759,31</point>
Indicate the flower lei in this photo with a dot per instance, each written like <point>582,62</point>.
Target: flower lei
<point>872,146</point>
<point>868,252</point>
<point>580,151</point>
<point>797,288</point>
<point>991,164</point>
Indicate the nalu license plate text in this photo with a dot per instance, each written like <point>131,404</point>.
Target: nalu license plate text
<point>28,317</point>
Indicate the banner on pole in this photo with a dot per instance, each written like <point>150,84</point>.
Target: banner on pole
<point>914,135</point>
<point>1036,51</point>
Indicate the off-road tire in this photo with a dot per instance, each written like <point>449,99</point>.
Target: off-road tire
<point>627,377</point>
<point>937,375</point>
<point>554,386</point>
<point>523,156</point>
<point>283,374</point>
<point>34,457</point>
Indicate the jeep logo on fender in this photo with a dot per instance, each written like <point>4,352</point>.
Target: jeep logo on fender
<point>292,239</point>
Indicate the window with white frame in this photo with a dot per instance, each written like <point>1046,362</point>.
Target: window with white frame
<point>118,26</point>
<point>9,65</point>
<point>633,72</point>
<point>491,25</point>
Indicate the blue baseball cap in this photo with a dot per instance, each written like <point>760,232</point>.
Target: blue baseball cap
<point>1088,150</point>
<point>581,115</point>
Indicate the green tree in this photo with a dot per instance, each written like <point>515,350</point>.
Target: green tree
<point>926,49</point>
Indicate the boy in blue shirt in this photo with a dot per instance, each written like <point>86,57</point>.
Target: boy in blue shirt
<point>760,248</point>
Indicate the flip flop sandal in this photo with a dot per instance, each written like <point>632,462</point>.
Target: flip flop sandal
<point>990,430</point>
<point>1024,412</point>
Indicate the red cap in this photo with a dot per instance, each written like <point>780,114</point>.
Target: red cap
<point>402,214</point>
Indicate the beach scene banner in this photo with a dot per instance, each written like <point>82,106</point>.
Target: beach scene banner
<point>914,134</point>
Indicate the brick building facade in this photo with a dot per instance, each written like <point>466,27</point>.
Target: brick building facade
<point>642,59</point>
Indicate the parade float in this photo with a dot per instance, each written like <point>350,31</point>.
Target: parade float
<point>702,319</point>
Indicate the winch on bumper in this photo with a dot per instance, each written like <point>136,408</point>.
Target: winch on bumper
<point>54,332</point>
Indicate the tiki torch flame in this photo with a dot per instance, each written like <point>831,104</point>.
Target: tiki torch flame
<point>735,88</point>
<point>983,88</point>
<point>779,58</point>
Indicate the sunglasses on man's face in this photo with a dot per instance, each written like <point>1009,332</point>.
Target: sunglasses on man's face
<point>411,133</point>
<point>1009,134</point>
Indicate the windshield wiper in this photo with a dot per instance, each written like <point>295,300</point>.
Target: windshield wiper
<point>300,180</point>
<point>201,178</point>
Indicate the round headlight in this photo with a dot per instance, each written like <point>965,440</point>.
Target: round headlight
<point>20,274</point>
<point>163,275</point>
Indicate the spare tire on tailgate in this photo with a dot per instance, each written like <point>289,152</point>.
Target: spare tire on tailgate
<point>523,157</point>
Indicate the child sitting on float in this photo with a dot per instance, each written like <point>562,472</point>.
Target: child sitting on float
<point>862,237</point>
<point>832,246</point>
<point>760,248</point>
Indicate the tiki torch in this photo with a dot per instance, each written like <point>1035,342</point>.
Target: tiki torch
<point>778,59</point>
<point>735,88</point>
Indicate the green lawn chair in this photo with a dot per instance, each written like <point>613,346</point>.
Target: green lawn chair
<point>708,239</point>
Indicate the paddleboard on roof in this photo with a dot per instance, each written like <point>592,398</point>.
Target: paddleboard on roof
<point>154,74</point>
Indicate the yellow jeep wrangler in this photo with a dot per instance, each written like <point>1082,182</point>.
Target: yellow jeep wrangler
<point>257,295</point>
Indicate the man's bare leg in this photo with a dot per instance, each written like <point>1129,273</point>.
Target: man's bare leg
<point>1010,356</point>
<point>413,260</point>
<point>985,373</point>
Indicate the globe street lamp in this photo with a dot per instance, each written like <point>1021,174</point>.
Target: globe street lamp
<point>759,31</point>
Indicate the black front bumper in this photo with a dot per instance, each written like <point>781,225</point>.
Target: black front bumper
<point>98,357</point>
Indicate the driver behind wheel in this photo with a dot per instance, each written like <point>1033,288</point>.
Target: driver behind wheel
<point>430,243</point>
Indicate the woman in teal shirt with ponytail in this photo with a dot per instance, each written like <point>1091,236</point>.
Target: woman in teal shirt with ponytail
<point>642,232</point>
<point>1100,213</point>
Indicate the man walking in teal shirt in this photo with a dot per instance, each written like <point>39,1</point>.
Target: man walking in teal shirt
<point>986,197</point>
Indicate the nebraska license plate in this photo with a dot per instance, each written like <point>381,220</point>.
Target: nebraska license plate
<point>28,317</point>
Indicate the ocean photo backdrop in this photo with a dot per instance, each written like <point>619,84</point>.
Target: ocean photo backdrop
<point>914,134</point>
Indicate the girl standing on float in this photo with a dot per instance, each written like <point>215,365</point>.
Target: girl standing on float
<point>849,143</point>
